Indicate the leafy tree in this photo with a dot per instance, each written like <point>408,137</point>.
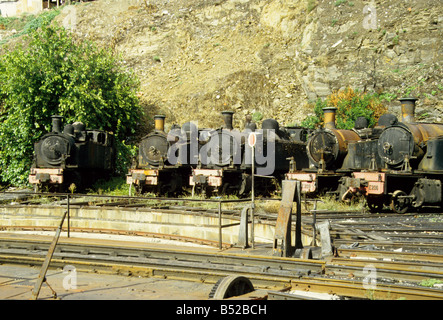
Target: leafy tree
<point>58,74</point>
<point>350,105</point>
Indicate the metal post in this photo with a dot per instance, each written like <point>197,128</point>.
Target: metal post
<point>220,225</point>
<point>69,220</point>
<point>314,221</point>
<point>252,197</point>
<point>282,238</point>
<point>243,231</point>
<point>42,276</point>
<point>298,241</point>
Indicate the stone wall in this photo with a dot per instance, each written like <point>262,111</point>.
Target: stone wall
<point>196,58</point>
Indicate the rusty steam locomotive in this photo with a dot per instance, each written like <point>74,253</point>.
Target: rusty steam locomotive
<point>394,164</point>
<point>75,155</point>
<point>215,161</point>
<point>407,165</point>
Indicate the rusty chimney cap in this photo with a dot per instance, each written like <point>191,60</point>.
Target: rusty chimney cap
<point>408,99</point>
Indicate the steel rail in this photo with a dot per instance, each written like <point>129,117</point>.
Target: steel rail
<point>393,272</point>
<point>387,244</point>
<point>390,255</point>
<point>344,288</point>
<point>357,289</point>
<point>186,239</point>
<point>142,253</point>
<point>431,268</point>
<point>198,266</point>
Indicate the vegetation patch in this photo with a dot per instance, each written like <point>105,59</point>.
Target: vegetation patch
<point>350,105</point>
<point>58,74</point>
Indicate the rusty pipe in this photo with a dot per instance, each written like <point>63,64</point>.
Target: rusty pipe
<point>408,109</point>
<point>56,123</point>
<point>159,122</point>
<point>330,117</point>
<point>227,117</point>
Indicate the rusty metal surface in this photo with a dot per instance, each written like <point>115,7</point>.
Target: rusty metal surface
<point>330,146</point>
<point>406,140</point>
<point>433,159</point>
<point>282,236</point>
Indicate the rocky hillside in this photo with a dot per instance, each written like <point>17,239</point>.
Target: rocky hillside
<point>197,57</point>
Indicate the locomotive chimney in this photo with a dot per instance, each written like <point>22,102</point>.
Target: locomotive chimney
<point>227,117</point>
<point>159,122</point>
<point>329,117</point>
<point>57,123</point>
<point>408,109</point>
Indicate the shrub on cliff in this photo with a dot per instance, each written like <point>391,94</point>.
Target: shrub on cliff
<point>56,74</point>
<point>350,105</point>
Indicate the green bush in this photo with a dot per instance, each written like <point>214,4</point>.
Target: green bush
<point>56,74</point>
<point>350,105</point>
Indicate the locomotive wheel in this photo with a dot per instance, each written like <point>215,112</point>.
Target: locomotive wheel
<point>399,205</point>
<point>231,286</point>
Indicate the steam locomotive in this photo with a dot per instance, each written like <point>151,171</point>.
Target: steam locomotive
<point>394,163</point>
<point>330,152</point>
<point>216,161</point>
<point>153,170</point>
<point>409,169</point>
<point>229,171</point>
<point>73,158</point>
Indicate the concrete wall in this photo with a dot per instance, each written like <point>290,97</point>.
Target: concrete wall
<point>143,220</point>
<point>195,225</point>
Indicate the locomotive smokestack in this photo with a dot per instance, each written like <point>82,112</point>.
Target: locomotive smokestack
<point>227,117</point>
<point>159,122</point>
<point>408,109</point>
<point>329,117</point>
<point>57,123</point>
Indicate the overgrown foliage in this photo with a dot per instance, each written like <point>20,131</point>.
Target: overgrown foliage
<point>27,23</point>
<point>350,105</point>
<point>57,74</point>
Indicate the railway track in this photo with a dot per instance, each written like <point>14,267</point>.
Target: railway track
<point>403,249</point>
<point>341,276</point>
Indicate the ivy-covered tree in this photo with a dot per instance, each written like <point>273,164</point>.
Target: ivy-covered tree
<point>58,74</point>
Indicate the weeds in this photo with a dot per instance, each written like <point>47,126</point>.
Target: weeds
<point>430,282</point>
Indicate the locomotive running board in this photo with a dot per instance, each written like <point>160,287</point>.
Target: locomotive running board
<point>290,190</point>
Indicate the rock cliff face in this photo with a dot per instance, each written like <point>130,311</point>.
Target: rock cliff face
<point>196,58</point>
